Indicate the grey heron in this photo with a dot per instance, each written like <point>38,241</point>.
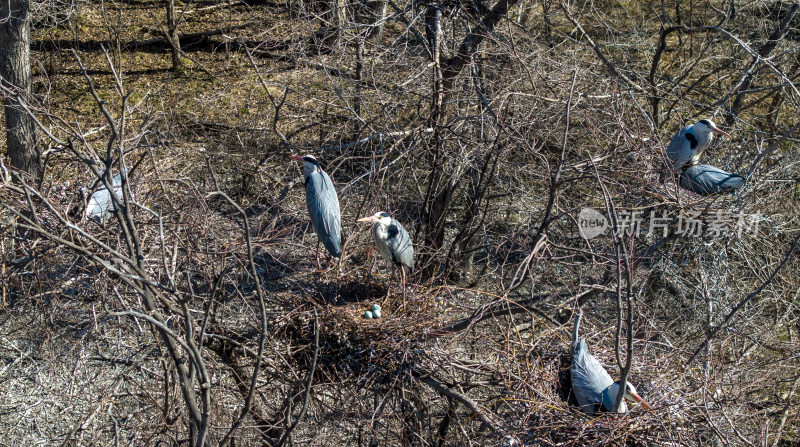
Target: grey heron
<point>689,143</point>
<point>706,180</point>
<point>100,203</point>
<point>323,205</point>
<point>593,387</point>
<point>393,243</point>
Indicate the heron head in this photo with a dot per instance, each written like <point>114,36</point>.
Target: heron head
<point>310,163</point>
<point>708,127</point>
<point>633,396</point>
<point>380,217</point>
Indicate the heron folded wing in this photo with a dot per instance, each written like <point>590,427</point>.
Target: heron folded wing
<point>402,250</point>
<point>323,208</point>
<point>101,204</point>
<point>706,180</point>
<point>679,150</point>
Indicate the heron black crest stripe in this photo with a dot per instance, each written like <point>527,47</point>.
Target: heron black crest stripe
<point>692,140</point>
<point>385,215</point>
<point>311,160</point>
<point>707,123</point>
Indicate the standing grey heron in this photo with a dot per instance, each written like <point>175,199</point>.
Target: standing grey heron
<point>593,387</point>
<point>393,243</point>
<point>689,143</point>
<point>323,206</point>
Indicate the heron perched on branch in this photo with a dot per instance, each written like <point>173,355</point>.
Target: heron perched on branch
<point>684,152</point>
<point>690,142</point>
<point>323,206</point>
<point>393,243</point>
<point>593,387</point>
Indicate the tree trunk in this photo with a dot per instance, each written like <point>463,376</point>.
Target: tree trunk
<point>378,9</point>
<point>441,184</point>
<point>332,29</point>
<point>15,70</point>
<point>172,35</point>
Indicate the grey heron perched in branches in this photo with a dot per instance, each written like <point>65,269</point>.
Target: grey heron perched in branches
<point>690,142</point>
<point>393,243</point>
<point>593,387</point>
<point>323,206</point>
<point>684,152</point>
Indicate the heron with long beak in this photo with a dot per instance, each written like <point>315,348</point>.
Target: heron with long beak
<point>690,142</point>
<point>593,387</point>
<point>323,206</point>
<point>684,153</point>
<point>393,243</point>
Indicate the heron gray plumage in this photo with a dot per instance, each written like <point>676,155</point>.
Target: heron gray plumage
<point>100,204</point>
<point>592,386</point>
<point>689,143</point>
<point>706,180</point>
<point>5,176</point>
<point>393,243</point>
<point>323,205</point>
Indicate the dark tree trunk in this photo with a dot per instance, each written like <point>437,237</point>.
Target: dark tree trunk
<point>172,35</point>
<point>15,70</point>
<point>378,9</point>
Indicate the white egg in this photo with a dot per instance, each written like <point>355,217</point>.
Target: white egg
<point>376,307</point>
<point>376,313</point>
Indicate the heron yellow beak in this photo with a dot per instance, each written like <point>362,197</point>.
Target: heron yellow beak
<point>719,131</point>
<point>296,158</point>
<point>367,219</point>
<point>638,399</point>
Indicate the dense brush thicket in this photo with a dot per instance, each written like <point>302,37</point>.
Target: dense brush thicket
<point>196,314</point>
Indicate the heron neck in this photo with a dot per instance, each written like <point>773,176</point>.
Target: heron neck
<point>309,169</point>
<point>610,398</point>
<point>381,230</point>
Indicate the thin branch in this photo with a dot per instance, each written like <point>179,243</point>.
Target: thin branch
<point>483,414</point>
<point>739,306</point>
<point>599,53</point>
<point>307,393</point>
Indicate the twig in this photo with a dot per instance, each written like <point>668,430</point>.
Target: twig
<point>190,36</point>
<point>739,306</point>
<point>599,53</point>
<point>263,313</point>
<point>785,413</point>
<point>307,393</point>
<point>769,150</point>
<point>483,414</point>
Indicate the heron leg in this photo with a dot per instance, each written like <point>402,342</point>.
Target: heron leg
<point>388,285</point>
<point>319,266</point>
<point>403,279</point>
